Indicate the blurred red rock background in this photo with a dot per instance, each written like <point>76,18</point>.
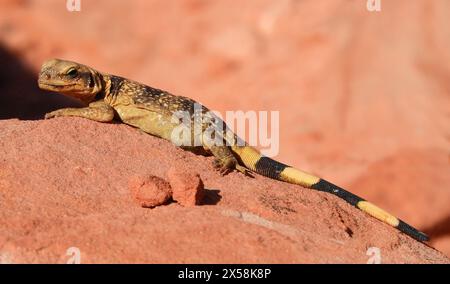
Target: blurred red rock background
<point>364,97</point>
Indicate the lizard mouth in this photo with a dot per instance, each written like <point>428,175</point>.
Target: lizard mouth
<point>45,85</point>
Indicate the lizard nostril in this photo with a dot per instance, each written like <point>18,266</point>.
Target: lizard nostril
<point>47,76</point>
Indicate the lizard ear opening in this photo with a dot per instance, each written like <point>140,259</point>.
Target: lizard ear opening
<point>91,81</point>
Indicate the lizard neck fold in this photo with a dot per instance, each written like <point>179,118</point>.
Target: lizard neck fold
<point>106,87</point>
<point>111,88</point>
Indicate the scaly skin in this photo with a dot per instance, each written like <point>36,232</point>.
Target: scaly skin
<point>152,110</point>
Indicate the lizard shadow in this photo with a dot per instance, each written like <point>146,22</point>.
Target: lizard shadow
<point>20,97</point>
<point>212,197</point>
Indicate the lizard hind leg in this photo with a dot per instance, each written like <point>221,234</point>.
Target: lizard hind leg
<point>225,162</point>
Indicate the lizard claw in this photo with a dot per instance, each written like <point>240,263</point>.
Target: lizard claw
<point>244,170</point>
<point>223,169</point>
<point>226,168</point>
<point>51,115</point>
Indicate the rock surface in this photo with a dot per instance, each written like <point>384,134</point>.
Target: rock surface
<point>64,189</point>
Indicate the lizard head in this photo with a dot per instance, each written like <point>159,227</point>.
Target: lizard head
<point>71,79</point>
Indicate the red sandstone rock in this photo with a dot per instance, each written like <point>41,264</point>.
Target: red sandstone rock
<point>150,191</point>
<point>187,187</point>
<point>65,183</point>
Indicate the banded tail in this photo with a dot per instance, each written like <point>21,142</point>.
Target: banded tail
<point>255,161</point>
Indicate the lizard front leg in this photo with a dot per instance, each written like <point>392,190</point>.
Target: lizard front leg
<point>97,111</point>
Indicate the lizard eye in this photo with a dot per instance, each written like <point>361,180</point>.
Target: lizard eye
<point>72,72</point>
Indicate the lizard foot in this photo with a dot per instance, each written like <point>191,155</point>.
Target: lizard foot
<point>52,114</point>
<point>224,166</point>
<point>244,170</point>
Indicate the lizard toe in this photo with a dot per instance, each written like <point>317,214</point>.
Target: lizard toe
<point>244,171</point>
<point>224,166</point>
<point>50,115</point>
